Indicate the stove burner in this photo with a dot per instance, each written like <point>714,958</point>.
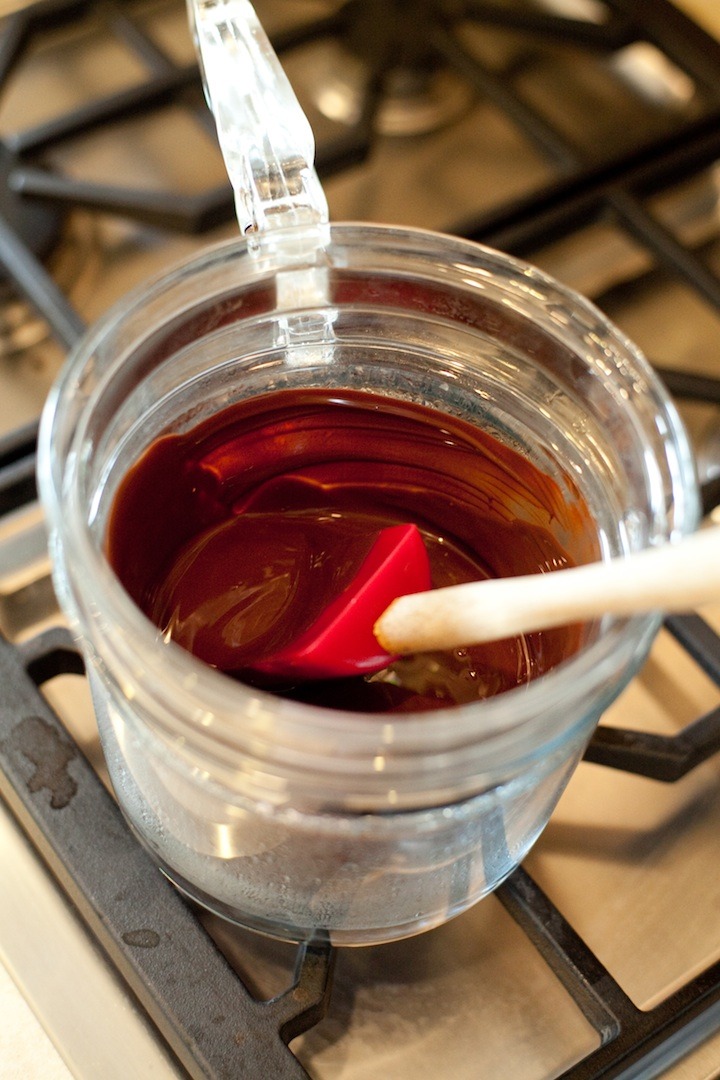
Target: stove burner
<point>38,227</point>
<point>73,265</point>
<point>383,50</point>
<point>69,251</point>
<point>36,224</point>
<point>414,102</point>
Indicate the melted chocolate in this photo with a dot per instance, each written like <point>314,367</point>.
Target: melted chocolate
<point>234,536</point>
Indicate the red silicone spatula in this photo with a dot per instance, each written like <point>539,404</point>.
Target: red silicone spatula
<point>341,641</point>
<point>671,577</point>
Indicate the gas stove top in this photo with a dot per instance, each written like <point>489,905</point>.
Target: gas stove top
<point>582,135</point>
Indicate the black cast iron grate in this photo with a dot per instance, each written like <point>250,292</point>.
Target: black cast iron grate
<point>218,1029</point>
<point>389,35</point>
<point>214,1026</point>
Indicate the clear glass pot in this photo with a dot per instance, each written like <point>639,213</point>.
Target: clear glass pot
<point>301,821</point>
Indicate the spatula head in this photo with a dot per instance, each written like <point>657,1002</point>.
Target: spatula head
<point>341,643</point>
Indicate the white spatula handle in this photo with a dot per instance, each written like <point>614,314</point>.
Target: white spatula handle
<point>671,578</point>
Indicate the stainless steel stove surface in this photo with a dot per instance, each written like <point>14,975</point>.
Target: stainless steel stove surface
<point>583,135</point>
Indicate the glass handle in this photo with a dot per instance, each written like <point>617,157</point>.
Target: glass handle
<point>265,137</point>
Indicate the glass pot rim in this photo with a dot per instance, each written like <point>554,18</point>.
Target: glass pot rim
<point>510,726</point>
